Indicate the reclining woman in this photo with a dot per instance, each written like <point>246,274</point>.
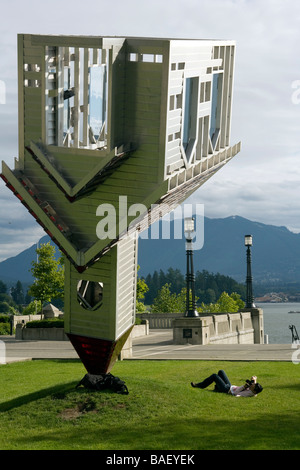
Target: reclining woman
<point>223,385</point>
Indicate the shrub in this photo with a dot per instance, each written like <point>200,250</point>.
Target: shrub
<point>46,323</point>
<point>8,309</point>
<point>4,328</point>
<point>4,319</point>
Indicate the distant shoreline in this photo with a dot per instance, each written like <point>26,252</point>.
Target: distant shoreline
<point>277,302</point>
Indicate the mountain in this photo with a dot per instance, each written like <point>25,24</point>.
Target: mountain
<point>17,268</point>
<point>275,253</point>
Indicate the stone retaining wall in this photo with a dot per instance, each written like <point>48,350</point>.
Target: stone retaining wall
<point>228,328</point>
<point>58,334</point>
<point>159,320</point>
<point>40,334</point>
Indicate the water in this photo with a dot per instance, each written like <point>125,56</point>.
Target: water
<point>277,321</point>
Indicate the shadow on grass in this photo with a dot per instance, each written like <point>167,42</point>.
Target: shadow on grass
<point>60,389</point>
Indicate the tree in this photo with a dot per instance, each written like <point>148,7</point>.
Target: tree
<point>49,275</point>
<point>27,299</point>
<point>176,279</point>
<point>181,299</point>
<point>17,293</point>
<point>3,288</point>
<point>209,296</point>
<point>141,289</point>
<point>208,286</point>
<point>8,305</point>
<point>7,309</point>
<point>237,298</point>
<point>165,301</point>
<point>170,302</point>
<point>226,303</point>
<point>32,308</point>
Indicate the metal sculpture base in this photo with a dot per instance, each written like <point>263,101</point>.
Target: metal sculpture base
<point>98,355</point>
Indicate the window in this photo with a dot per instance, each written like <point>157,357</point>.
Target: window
<point>98,99</point>
<point>89,294</point>
<point>205,92</point>
<point>214,130</point>
<point>190,116</point>
<point>76,97</point>
<point>175,102</point>
<point>141,57</point>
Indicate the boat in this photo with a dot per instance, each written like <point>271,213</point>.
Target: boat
<point>294,311</point>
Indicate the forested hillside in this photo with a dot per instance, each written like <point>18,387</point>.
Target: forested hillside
<point>208,286</point>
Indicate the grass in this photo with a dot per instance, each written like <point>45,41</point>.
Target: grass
<point>40,408</point>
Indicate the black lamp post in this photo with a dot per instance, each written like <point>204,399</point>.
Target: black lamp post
<point>249,291</point>
<point>189,228</point>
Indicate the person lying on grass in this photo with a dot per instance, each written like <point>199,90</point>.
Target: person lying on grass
<point>223,385</point>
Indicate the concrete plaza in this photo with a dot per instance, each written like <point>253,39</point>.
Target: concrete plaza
<point>158,345</point>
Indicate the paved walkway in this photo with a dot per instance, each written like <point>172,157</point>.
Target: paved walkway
<point>158,345</point>
<point>20,350</point>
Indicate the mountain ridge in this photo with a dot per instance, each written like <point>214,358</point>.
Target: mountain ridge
<point>275,252</point>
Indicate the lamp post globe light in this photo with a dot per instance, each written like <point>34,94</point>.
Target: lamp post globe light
<point>249,290</point>
<point>189,229</point>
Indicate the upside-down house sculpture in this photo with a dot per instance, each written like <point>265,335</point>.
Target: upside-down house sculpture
<point>106,122</point>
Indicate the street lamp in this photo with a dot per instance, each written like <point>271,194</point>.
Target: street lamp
<point>189,228</point>
<point>249,292</point>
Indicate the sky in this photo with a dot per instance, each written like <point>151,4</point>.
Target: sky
<point>262,183</point>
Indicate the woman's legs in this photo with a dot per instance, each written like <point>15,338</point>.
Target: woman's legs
<point>225,382</point>
<point>224,377</point>
<point>221,380</point>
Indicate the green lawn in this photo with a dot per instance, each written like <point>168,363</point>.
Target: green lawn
<point>41,409</point>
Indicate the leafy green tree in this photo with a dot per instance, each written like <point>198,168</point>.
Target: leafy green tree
<point>166,301</point>
<point>181,298</point>
<point>170,302</point>
<point>49,275</point>
<point>8,305</point>
<point>33,308</point>
<point>7,309</point>
<point>141,289</point>
<point>208,286</point>
<point>237,298</point>
<point>226,303</point>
